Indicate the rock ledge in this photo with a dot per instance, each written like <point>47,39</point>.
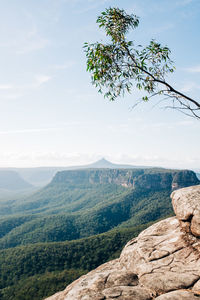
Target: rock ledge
<point>162,263</point>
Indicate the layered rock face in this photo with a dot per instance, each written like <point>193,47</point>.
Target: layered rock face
<point>151,178</point>
<point>162,263</point>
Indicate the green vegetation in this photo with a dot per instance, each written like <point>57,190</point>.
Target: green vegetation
<point>82,203</point>
<point>80,220</point>
<point>73,191</point>
<point>115,66</point>
<point>35,271</point>
<point>139,206</point>
<point>40,286</point>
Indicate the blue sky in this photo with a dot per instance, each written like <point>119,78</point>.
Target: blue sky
<point>51,115</point>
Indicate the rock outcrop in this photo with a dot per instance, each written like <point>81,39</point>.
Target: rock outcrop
<point>152,178</point>
<point>162,263</point>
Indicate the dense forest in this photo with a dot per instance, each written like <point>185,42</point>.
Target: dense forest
<point>35,271</point>
<point>77,222</point>
<point>134,207</point>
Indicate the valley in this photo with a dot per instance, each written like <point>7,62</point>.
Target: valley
<point>80,220</point>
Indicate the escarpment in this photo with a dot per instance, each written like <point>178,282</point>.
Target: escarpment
<point>162,263</point>
<point>152,178</point>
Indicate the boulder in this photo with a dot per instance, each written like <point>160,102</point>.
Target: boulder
<point>186,204</point>
<point>162,263</point>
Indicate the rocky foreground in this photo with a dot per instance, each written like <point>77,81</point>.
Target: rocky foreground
<point>162,263</point>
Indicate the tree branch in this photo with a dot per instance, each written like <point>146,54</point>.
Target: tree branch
<point>171,89</point>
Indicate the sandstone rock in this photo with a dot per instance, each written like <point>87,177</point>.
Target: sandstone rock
<point>123,278</point>
<point>196,287</point>
<point>162,263</point>
<point>179,295</point>
<point>161,257</point>
<point>186,204</point>
<point>127,292</point>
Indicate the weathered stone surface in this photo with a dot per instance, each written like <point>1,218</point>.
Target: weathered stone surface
<point>196,287</point>
<point>161,257</point>
<point>186,204</point>
<point>127,292</point>
<point>179,295</point>
<point>122,278</point>
<point>162,263</point>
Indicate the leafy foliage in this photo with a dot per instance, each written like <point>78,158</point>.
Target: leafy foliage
<point>115,66</point>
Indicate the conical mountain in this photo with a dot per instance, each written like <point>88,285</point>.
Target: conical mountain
<point>102,163</point>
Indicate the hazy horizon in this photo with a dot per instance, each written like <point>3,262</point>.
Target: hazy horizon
<point>96,161</point>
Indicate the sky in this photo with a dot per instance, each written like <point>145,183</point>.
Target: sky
<point>51,115</point>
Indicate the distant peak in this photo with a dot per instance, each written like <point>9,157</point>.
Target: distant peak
<point>102,163</point>
<point>103,160</point>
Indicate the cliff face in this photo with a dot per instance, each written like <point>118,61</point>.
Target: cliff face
<point>162,263</point>
<point>140,178</point>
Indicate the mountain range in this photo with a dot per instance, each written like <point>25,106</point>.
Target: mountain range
<point>42,175</point>
<point>80,203</point>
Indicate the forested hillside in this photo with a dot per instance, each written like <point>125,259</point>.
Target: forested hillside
<point>133,206</point>
<point>35,271</point>
<point>51,237</point>
<point>81,203</point>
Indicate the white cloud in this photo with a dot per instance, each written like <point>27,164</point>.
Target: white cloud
<point>31,38</point>
<point>40,79</point>
<point>6,87</point>
<point>62,126</point>
<point>163,28</point>
<point>157,161</point>
<point>194,69</point>
<point>120,128</point>
<point>90,5</point>
<point>37,43</point>
<point>64,66</point>
<point>14,91</point>
<point>9,91</point>
<point>183,2</point>
<point>33,130</point>
<point>190,86</point>
<point>169,125</point>
<point>135,126</point>
<point>53,158</point>
<point>24,41</point>
<point>12,96</point>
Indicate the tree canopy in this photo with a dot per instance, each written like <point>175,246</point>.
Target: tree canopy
<point>118,66</point>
